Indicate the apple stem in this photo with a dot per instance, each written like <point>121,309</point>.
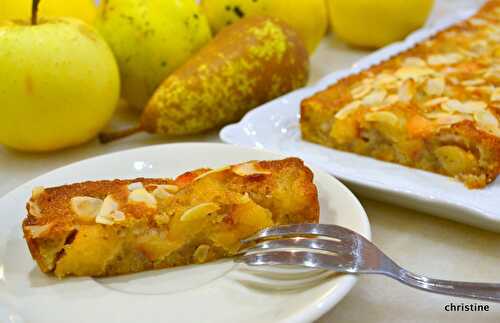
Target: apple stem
<point>105,137</point>
<point>34,11</point>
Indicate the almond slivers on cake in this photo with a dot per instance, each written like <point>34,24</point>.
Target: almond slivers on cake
<point>434,107</point>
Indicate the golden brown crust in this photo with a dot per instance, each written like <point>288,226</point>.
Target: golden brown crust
<point>240,200</point>
<point>442,92</point>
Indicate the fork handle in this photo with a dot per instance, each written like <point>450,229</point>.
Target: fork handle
<point>480,291</point>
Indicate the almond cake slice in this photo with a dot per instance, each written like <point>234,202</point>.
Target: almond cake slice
<point>115,227</point>
<point>434,107</point>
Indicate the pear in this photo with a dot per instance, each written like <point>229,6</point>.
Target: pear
<point>150,39</point>
<point>247,64</point>
<point>59,83</point>
<point>308,17</point>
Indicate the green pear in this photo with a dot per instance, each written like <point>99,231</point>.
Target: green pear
<point>150,39</point>
<point>59,83</point>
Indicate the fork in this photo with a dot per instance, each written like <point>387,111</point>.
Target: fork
<point>341,250</point>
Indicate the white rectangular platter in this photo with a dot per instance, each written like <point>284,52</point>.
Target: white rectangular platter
<point>274,126</point>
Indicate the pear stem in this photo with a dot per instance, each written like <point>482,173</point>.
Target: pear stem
<point>105,137</point>
<point>34,11</point>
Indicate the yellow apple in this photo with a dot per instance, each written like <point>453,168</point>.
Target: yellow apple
<point>59,84</point>
<point>21,9</point>
<point>308,17</point>
<point>370,23</point>
<point>150,39</point>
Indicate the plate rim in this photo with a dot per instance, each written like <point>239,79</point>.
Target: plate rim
<point>312,311</point>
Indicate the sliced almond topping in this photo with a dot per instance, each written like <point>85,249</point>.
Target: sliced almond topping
<point>86,207</point>
<point>385,79</point>
<point>161,194</point>
<point>36,191</point>
<point>391,99</point>
<point>247,169</point>
<point>201,253</point>
<point>413,72</point>
<point>486,120</point>
<point>213,171</point>
<point>407,91</point>
<point>38,230</point>
<point>142,196</point>
<point>473,82</point>
<point>464,107</point>
<point>414,61</point>
<point>495,95</point>
<point>169,188</point>
<point>109,205</point>
<point>444,59</point>
<point>383,117</point>
<point>199,211</point>
<point>346,110</point>
<point>34,209</point>
<point>435,86</point>
<point>435,101</point>
<point>360,91</point>
<point>375,98</point>
<point>451,119</point>
<point>135,186</point>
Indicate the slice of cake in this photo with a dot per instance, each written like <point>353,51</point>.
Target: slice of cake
<point>435,107</point>
<point>115,227</point>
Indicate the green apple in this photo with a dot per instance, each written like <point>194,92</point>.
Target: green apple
<point>59,83</point>
<point>150,39</point>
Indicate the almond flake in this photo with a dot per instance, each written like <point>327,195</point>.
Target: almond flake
<point>346,110</point>
<point>391,99</point>
<point>86,207</point>
<point>34,209</point>
<point>135,186</point>
<point>38,230</point>
<point>385,79</point>
<point>451,119</point>
<point>407,91</point>
<point>413,72</point>
<point>473,82</point>
<point>495,95</point>
<point>414,61</point>
<point>464,107</point>
<point>486,119</point>
<point>142,196</point>
<point>161,194</point>
<point>435,86</point>
<point>360,91</point>
<point>375,98</point>
<point>444,59</point>
<point>213,171</point>
<point>248,169</point>
<point>435,101</point>
<point>109,205</point>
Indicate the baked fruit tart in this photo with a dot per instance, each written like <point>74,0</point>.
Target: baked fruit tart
<point>434,107</point>
<point>113,227</point>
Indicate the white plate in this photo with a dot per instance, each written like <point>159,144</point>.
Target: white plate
<point>217,292</point>
<point>275,127</point>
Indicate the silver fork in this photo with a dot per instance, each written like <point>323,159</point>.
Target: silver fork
<point>342,250</point>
